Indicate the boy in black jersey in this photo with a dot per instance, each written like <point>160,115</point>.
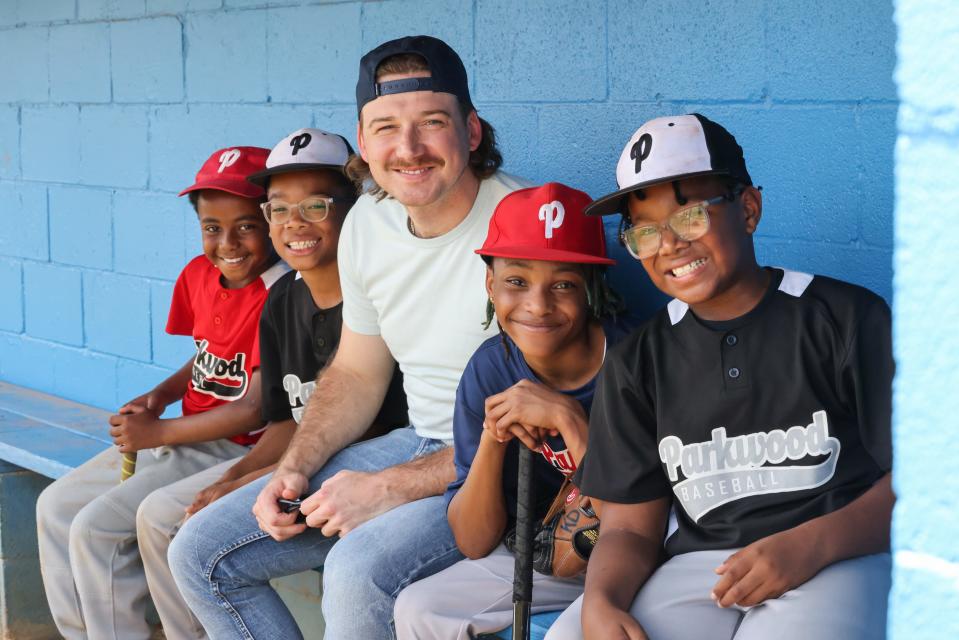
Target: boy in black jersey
<point>757,404</point>
<point>308,196</point>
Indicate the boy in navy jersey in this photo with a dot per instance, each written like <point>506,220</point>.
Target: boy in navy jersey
<point>757,404</point>
<point>530,386</point>
<point>91,555</point>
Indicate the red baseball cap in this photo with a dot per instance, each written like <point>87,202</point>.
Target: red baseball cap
<point>227,170</point>
<point>546,223</point>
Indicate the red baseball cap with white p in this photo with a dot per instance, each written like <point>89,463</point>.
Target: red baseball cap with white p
<point>546,223</point>
<point>228,169</point>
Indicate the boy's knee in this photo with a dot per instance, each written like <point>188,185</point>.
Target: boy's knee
<point>157,512</point>
<point>412,605</point>
<point>49,503</point>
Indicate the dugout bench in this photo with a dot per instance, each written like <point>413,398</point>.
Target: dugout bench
<point>43,437</point>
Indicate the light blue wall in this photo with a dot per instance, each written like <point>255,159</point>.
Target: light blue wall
<point>107,108</point>
<point>925,599</point>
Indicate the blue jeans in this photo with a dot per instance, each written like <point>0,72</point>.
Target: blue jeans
<point>223,562</point>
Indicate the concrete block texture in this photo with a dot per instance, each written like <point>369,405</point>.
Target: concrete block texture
<point>53,302</point>
<point>183,137</point>
<point>136,378</point>
<point>29,79</point>
<point>925,595</point>
<point>114,146</point>
<point>23,218</point>
<point>9,142</point>
<point>81,227</point>
<point>110,9</point>
<point>11,283</point>
<point>178,6</point>
<point>85,376</point>
<point>80,63</point>
<point>170,352</point>
<point>50,143</point>
<point>655,56</point>
<point>825,50</point>
<point>147,60</point>
<point>521,39</point>
<point>449,20</point>
<point>226,57</point>
<point>117,314</point>
<point>304,68</point>
<point>46,11</point>
<point>23,609</point>
<point>148,234</point>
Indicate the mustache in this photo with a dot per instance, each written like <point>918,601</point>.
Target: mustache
<point>416,164</point>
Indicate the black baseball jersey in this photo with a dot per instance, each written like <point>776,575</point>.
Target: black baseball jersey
<point>752,425</point>
<point>297,339</point>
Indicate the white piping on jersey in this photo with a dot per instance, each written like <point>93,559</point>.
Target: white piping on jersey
<point>794,283</point>
<point>677,309</point>
<point>274,273</point>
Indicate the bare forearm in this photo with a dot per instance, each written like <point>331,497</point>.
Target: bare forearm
<point>860,528</point>
<point>266,452</point>
<point>230,419</point>
<point>423,477</point>
<point>477,513</point>
<point>340,410</point>
<point>619,565</point>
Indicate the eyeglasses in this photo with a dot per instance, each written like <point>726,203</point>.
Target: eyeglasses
<point>690,223</point>
<point>312,209</point>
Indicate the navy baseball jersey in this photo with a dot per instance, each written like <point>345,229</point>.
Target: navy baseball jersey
<point>224,326</point>
<point>297,339</point>
<point>753,425</point>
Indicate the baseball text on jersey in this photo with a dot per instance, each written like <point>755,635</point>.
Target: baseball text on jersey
<point>725,469</point>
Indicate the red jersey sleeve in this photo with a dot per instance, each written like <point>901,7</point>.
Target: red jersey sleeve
<point>180,322</point>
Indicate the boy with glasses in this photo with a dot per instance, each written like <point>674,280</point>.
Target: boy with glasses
<point>757,404</point>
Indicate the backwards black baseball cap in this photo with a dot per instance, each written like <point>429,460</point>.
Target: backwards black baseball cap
<point>448,72</point>
<point>673,148</point>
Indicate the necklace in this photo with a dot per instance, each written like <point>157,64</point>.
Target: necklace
<point>409,225</point>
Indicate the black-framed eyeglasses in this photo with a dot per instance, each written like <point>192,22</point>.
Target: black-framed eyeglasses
<point>689,223</point>
<point>312,209</point>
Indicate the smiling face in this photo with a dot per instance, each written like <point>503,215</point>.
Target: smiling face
<point>302,244</point>
<point>540,305</point>
<point>708,271</point>
<point>417,145</point>
<point>235,237</point>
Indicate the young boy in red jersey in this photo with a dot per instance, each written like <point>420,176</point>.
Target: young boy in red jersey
<point>87,520</point>
<point>757,404</point>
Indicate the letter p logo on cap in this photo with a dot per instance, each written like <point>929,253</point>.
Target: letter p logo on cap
<point>552,213</point>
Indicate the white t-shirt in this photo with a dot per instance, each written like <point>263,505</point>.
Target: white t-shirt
<point>424,296</point>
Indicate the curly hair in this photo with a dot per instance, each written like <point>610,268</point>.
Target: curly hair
<point>484,161</point>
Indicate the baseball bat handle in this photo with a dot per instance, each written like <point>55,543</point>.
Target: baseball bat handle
<point>128,466</point>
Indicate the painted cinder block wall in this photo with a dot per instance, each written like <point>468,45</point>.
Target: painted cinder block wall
<point>925,598</point>
<point>108,107</point>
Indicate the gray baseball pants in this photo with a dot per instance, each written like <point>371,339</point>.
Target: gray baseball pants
<point>473,597</point>
<point>101,541</point>
<point>844,601</point>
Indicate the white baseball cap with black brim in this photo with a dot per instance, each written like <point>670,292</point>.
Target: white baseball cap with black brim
<point>305,150</point>
<point>673,148</point>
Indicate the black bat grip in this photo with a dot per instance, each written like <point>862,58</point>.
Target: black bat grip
<point>523,569</point>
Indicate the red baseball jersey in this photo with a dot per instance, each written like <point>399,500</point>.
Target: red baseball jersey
<point>224,324</point>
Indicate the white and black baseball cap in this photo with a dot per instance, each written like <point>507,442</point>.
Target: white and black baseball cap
<point>673,148</point>
<point>305,149</point>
